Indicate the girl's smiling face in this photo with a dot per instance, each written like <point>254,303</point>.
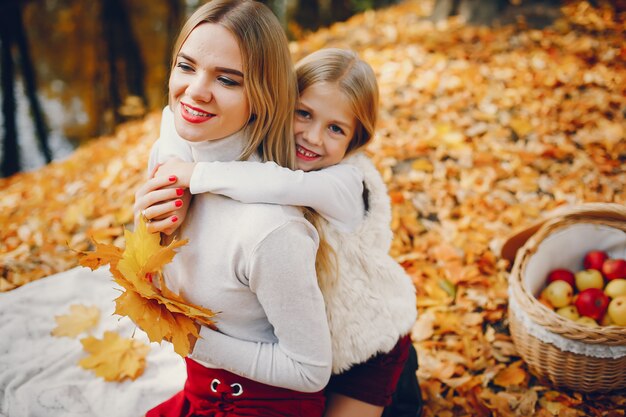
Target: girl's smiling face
<point>323,127</point>
<point>207,92</point>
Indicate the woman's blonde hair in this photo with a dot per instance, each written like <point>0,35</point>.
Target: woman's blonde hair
<point>354,77</point>
<point>269,78</point>
<point>356,80</point>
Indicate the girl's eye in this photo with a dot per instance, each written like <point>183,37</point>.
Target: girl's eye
<point>303,114</point>
<point>184,66</point>
<point>336,129</point>
<point>227,81</point>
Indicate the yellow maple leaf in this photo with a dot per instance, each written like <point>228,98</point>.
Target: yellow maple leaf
<point>161,313</point>
<point>80,319</point>
<point>113,357</point>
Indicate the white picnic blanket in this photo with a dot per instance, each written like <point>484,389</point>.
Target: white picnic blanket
<point>39,373</point>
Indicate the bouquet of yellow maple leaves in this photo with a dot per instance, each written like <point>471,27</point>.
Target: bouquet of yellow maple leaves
<point>161,313</point>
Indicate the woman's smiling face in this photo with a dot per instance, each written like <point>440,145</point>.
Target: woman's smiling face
<point>206,86</point>
<point>323,127</point>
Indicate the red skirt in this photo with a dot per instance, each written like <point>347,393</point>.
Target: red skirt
<point>218,393</point>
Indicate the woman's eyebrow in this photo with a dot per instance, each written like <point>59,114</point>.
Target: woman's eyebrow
<point>230,71</point>
<point>186,57</point>
<point>219,69</point>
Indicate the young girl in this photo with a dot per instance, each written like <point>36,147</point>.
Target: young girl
<point>232,91</point>
<point>370,301</point>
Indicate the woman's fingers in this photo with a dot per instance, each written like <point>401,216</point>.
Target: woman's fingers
<point>145,201</point>
<point>163,206</point>
<point>154,184</point>
<point>166,225</point>
<point>162,210</point>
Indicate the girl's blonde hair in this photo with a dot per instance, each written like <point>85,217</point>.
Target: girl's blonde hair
<point>353,77</point>
<point>269,78</point>
<point>356,80</point>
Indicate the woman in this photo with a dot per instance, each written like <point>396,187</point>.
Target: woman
<point>232,93</point>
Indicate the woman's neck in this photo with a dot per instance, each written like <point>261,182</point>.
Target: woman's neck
<point>225,149</point>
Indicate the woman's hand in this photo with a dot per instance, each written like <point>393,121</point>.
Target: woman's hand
<point>163,202</point>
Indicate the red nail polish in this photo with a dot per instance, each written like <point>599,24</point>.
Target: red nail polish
<point>179,192</point>
<point>149,277</point>
<point>172,178</point>
<point>174,219</point>
<point>178,203</point>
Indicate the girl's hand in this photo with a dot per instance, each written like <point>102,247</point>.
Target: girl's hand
<point>163,203</point>
<point>181,169</point>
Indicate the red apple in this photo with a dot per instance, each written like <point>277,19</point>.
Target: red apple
<point>562,275</point>
<point>595,259</point>
<point>614,269</point>
<point>593,303</point>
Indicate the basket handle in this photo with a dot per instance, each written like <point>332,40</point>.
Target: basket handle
<point>514,242</point>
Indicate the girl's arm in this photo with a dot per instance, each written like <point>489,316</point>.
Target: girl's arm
<point>335,192</point>
<point>282,275</point>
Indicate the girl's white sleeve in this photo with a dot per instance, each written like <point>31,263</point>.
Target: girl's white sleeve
<point>335,192</point>
<point>169,144</point>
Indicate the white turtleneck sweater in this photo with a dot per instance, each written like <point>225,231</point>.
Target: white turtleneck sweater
<point>255,265</point>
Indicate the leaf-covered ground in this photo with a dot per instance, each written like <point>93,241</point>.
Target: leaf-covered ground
<point>482,131</point>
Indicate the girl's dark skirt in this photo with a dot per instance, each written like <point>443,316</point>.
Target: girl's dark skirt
<point>373,381</point>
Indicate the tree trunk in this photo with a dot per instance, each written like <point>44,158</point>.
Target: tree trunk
<point>10,155</point>
<point>30,86</point>
<point>126,71</point>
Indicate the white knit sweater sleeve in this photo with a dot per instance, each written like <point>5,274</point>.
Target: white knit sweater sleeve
<point>334,192</point>
<point>169,143</point>
<point>286,287</point>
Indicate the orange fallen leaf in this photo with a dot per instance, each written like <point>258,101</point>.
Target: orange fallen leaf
<point>513,375</point>
<point>113,357</point>
<point>103,254</point>
<point>80,319</point>
<point>521,126</point>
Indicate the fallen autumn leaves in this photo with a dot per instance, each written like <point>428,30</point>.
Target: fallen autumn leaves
<point>482,130</point>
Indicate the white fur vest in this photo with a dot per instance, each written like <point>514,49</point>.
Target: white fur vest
<point>372,302</point>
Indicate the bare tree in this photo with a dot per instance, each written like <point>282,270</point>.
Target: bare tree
<point>10,154</point>
<point>12,34</point>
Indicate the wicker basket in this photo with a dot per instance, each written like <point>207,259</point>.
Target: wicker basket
<point>550,363</point>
